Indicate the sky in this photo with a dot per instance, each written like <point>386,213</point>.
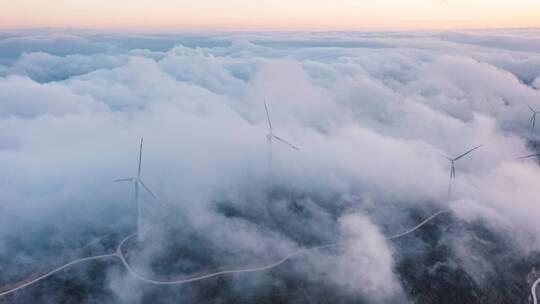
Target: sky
<point>280,15</point>
<point>372,113</point>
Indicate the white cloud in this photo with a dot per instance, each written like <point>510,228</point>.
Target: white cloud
<point>366,265</point>
<point>372,115</point>
<point>24,98</point>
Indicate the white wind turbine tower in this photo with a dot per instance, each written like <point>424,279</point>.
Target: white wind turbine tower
<point>271,136</point>
<point>453,166</point>
<point>137,180</point>
<point>532,121</point>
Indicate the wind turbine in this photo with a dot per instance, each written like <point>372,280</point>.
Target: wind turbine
<point>453,166</point>
<point>532,121</point>
<point>137,180</point>
<point>271,134</point>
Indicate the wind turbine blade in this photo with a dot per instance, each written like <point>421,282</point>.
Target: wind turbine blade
<point>447,157</point>
<point>531,109</point>
<point>528,156</point>
<point>285,142</point>
<point>464,154</point>
<point>148,189</point>
<point>140,159</point>
<point>123,180</point>
<point>151,193</point>
<point>268,117</point>
<point>531,121</point>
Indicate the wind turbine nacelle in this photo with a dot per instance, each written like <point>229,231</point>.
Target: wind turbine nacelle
<point>269,137</point>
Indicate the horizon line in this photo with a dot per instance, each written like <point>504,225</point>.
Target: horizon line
<point>264,30</point>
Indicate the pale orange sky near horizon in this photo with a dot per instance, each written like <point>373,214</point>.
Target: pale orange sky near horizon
<point>170,15</point>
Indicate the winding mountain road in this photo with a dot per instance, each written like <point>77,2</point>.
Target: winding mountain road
<point>533,291</point>
<point>50,273</point>
<point>120,254</point>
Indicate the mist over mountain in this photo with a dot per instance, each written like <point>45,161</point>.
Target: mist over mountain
<point>373,115</point>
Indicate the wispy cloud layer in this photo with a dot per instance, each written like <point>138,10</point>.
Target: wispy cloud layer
<point>373,114</point>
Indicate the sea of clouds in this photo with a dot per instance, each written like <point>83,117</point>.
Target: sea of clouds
<point>372,113</point>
